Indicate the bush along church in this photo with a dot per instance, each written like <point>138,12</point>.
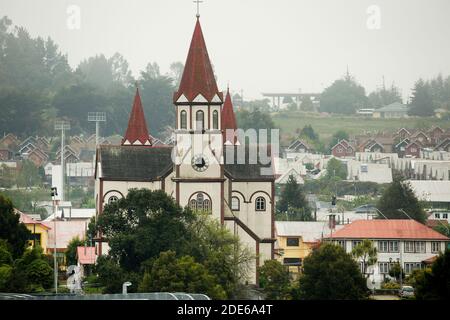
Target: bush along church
<point>207,168</point>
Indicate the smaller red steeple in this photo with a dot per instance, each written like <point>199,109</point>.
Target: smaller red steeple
<point>137,133</point>
<point>228,121</point>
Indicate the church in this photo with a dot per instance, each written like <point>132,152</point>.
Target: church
<point>207,168</point>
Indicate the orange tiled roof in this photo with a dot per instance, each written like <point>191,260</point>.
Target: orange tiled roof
<point>388,229</point>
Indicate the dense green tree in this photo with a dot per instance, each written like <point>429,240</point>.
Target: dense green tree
<point>443,229</point>
<point>307,104</point>
<point>335,168</point>
<point>274,279</point>
<point>176,72</point>
<point>399,195</point>
<point>110,275</point>
<point>308,131</point>
<point>329,273</point>
<point>421,100</point>
<point>29,175</point>
<point>167,273</point>
<point>293,200</point>
<point>11,230</point>
<point>366,253</point>
<point>254,120</point>
<point>344,96</point>
<point>71,251</point>
<point>396,271</point>
<point>142,225</point>
<point>156,94</point>
<point>435,283</point>
<point>31,272</point>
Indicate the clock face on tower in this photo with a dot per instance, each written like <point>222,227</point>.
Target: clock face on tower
<point>199,163</point>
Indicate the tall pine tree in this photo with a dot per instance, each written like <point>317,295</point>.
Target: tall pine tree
<point>293,201</point>
<point>399,195</point>
<point>422,100</point>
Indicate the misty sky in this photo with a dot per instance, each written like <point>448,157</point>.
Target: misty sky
<point>257,45</point>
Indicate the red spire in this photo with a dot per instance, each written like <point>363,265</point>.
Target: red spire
<point>198,75</point>
<point>137,133</point>
<point>228,120</point>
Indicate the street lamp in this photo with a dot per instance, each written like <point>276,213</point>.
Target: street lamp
<point>54,193</point>
<point>125,286</point>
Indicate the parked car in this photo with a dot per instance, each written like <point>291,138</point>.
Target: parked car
<point>407,292</point>
<point>366,208</point>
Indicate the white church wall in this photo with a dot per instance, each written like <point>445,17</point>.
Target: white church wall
<point>212,189</point>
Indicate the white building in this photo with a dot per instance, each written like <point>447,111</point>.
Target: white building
<point>371,172</point>
<point>407,242</point>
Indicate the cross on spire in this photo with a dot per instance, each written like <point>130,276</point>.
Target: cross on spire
<point>198,7</point>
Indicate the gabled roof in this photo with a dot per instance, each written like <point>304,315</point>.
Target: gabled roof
<point>405,141</point>
<point>403,129</point>
<point>198,76</point>
<point>25,219</point>
<point>241,165</point>
<point>137,133</point>
<point>387,229</point>
<point>443,144</point>
<point>294,145</point>
<point>228,119</point>
<point>394,107</point>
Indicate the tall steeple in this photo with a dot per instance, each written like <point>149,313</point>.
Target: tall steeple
<point>137,133</point>
<point>228,121</point>
<point>198,76</point>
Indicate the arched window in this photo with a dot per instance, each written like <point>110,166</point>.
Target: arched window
<point>183,119</point>
<point>112,199</point>
<point>200,120</point>
<point>260,204</point>
<point>200,202</point>
<point>215,119</point>
<point>235,204</point>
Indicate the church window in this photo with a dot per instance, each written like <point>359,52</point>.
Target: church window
<point>260,204</point>
<point>200,120</point>
<point>183,119</point>
<point>112,199</point>
<point>215,119</point>
<point>200,202</point>
<point>235,204</point>
<point>193,204</point>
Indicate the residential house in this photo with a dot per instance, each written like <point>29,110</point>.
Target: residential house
<point>300,146</point>
<point>296,239</point>
<point>371,146</point>
<point>343,149</point>
<point>39,231</point>
<point>393,110</point>
<point>435,134</point>
<point>403,133</point>
<point>37,156</point>
<point>86,259</point>
<point>283,179</point>
<point>9,141</point>
<point>421,137</point>
<point>401,147</point>
<point>406,242</point>
<point>444,145</point>
<point>70,155</point>
<point>413,149</point>
<point>434,193</point>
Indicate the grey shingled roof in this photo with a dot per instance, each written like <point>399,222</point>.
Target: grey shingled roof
<point>135,163</point>
<point>144,164</point>
<point>247,170</point>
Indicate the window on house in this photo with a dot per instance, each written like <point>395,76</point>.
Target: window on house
<point>292,242</point>
<point>420,247</point>
<point>215,119</point>
<point>235,204</point>
<point>112,199</point>
<point>409,246</point>
<point>364,168</point>
<point>445,216</point>
<point>383,246</point>
<point>342,244</point>
<point>411,266</point>
<point>260,204</point>
<point>183,119</point>
<point>437,215</point>
<point>355,243</point>
<point>393,246</point>
<point>435,246</point>
<point>35,238</point>
<point>292,261</point>
<point>200,120</point>
<point>193,204</point>
<point>384,267</point>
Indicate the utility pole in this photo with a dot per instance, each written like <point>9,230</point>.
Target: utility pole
<point>54,193</point>
<point>62,125</point>
<point>97,117</point>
